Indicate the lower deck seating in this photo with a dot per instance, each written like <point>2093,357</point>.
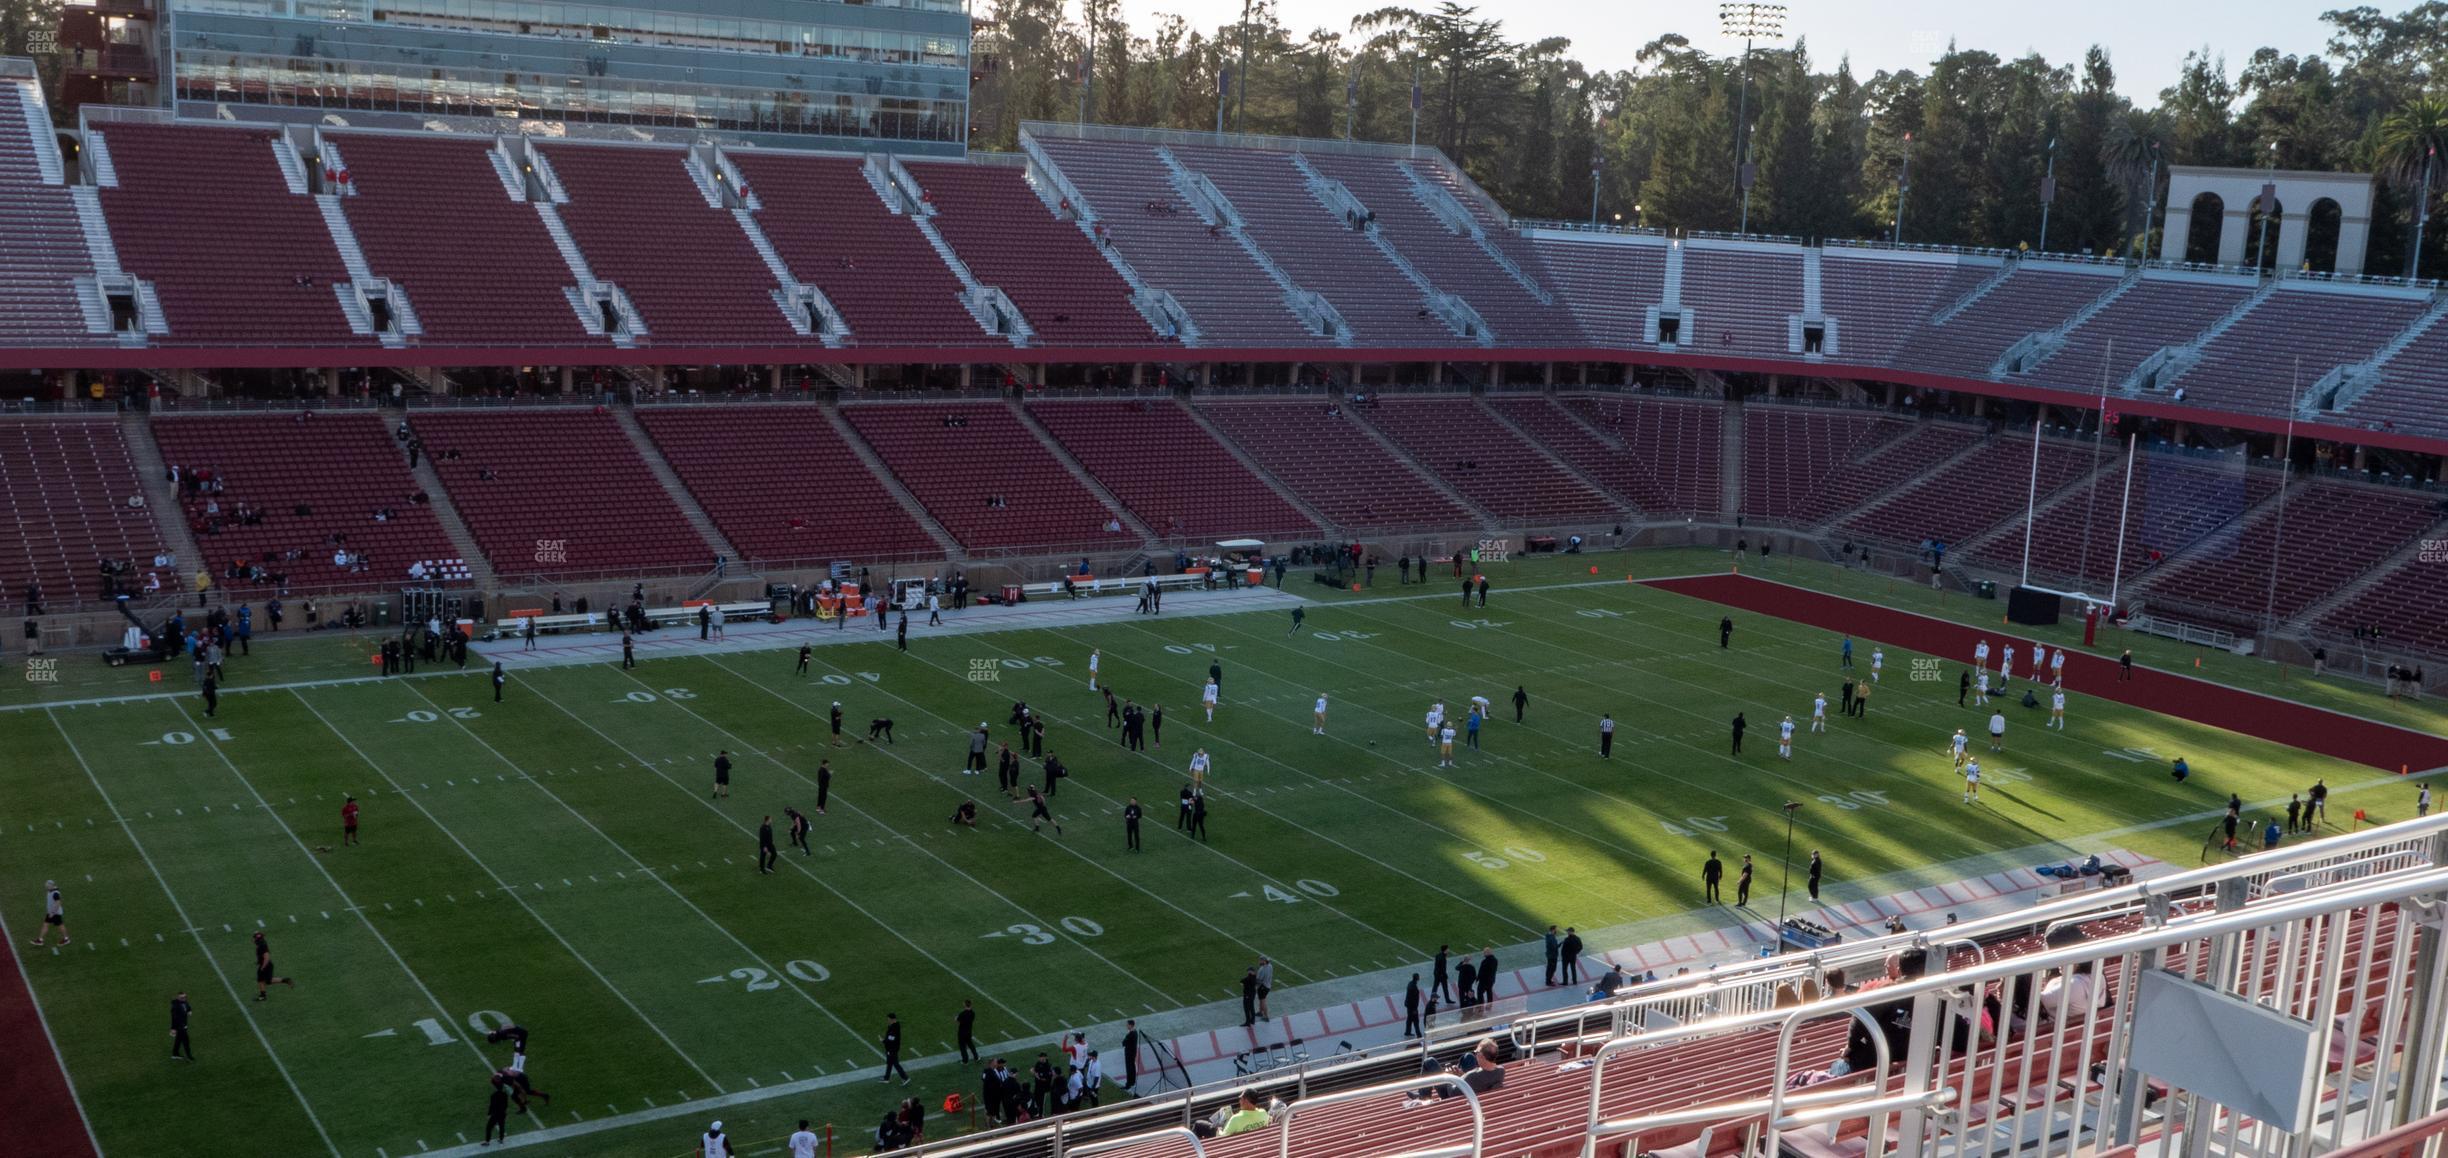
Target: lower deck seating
<point>558,492</point>
<point>1486,463</point>
<point>1970,495</point>
<point>781,484</point>
<point>1334,466</point>
<point>1801,463</point>
<point>2174,501</point>
<point>2296,552</point>
<point>1154,457</point>
<point>64,490</point>
<point>1681,441</point>
<point>983,475</point>
<point>297,492</point>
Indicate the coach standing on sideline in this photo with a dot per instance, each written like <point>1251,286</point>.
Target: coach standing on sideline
<point>892,1049</point>
<point>500,677</point>
<point>965,1027</point>
<point>180,1011</point>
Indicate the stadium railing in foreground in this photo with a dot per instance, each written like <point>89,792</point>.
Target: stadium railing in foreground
<point>2272,930</point>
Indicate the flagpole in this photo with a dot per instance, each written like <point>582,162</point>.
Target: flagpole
<point>2286,467</point>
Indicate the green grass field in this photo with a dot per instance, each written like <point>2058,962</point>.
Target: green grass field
<point>556,859</point>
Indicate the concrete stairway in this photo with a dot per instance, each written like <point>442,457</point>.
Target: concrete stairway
<point>160,497</point>
<point>1079,471</point>
<point>1487,521</point>
<point>672,485</point>
<point>849,435</point>
<point>1260,473</point>
<point>480,569</point>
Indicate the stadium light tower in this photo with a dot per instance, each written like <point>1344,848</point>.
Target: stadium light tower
<point>2048,193</point>
<point>1750,21</point>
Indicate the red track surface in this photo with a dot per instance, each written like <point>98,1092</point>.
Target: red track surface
<point>2286,722</point>
<point>38,1112</point>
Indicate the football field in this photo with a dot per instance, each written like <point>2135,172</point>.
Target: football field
<point>558,858</point>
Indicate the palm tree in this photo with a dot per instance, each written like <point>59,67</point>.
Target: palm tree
<point>2407,152</point>
<point>2131,154</point>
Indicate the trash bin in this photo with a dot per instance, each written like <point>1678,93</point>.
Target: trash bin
<point>382,613</point>
<point>1987,589</point>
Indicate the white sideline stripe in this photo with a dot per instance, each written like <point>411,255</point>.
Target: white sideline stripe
<point>844,898</point>
<point>581,958</point>
<point>204,736</point>
<point>190,928</point>
<point>1007,818</point>
<point>753,955</point>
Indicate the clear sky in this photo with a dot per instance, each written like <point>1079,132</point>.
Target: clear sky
<point>2146,39</point>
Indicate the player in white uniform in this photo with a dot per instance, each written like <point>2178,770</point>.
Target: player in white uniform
<point>1318,725</point>
<point>2057,709</point>
<point>2006,668</point>
<point>1997,731</point>
<point>1971,770</point>
<point>1207,696</point>
<point>1962,745</point>
<point>2057,668</point>
<point>1980,690</point>
<point>2040,654</point>
<point>1094,654</point>
<point>1198,772</point>
<point>1878,660</point>
<point>1819,712</point>
<point>1436,719</point>
<point>1980,656</point>
<point>1445,746</point>
<point>1785,739</point>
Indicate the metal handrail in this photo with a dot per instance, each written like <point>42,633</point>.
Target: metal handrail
<point>1196,1146</point>
<point>1773,1105</point>
<point>1470,1097</point>
<point>1929,1100</point>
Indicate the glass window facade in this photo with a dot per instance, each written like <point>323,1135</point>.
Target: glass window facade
<point>890,74</point>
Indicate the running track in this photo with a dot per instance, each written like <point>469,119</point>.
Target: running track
<point>35,1101</point>
<point>2296,725</point>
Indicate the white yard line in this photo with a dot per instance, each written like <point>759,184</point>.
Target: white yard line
<point>647,870</point>
<point>508,890</point>
<point>956,870</point>
<point>803,870</point>
<point>237,1003</point>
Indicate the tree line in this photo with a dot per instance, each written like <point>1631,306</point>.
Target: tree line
<point>1829,151</point>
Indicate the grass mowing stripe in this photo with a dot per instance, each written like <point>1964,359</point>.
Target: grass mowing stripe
<point>820,881</point>
<point>1091,861</point>
<point>956,870</point>
<point>400,790</point>
<point>1545,819</point>
<point>718,926</point>
<point>1252,802</point>
<point>176,906</point>
<point>206,738</point>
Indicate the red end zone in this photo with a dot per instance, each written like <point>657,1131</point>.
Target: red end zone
<point>39,1109</point>
<point>2312,729</point>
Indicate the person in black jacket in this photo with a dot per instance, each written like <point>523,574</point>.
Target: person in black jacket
<point>180,1011</point>
<point>965,1023</point>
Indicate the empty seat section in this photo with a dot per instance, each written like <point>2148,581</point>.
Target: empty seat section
<point>238,260</point>
<point>1156,459</point>
<point>834,232</point>
<point>782,485</point>
<point>983,475</point>
<point>64,491</point>
<point>2032,299</point>
<point>2412,392</point>
<point>1450,259</point>
<point>687,266</point>
<point>433,216</point>
<point>1804,465</point>
<point>1011,241</point>
<point>2288,342</point>
<point>1231,300</point>
<point>1608,287</point>
<point>1741,299</point>
<point>316,485</point>
<point>1317,250</point>
<point>1625,476</point>
<point>1972,494</point>
<point>1677,441</point>
<point>557,492</point>
<point>2152,314</point>
<point>1335,467</point>
<point>2405,603</point>
<point>1485,462</point>
<point>2175,502</point>
<point>1878,303</point>
<point>2327,535</point>
<point>45,253</point>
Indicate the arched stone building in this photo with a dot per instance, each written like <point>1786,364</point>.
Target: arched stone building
<point>2231,194</point>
